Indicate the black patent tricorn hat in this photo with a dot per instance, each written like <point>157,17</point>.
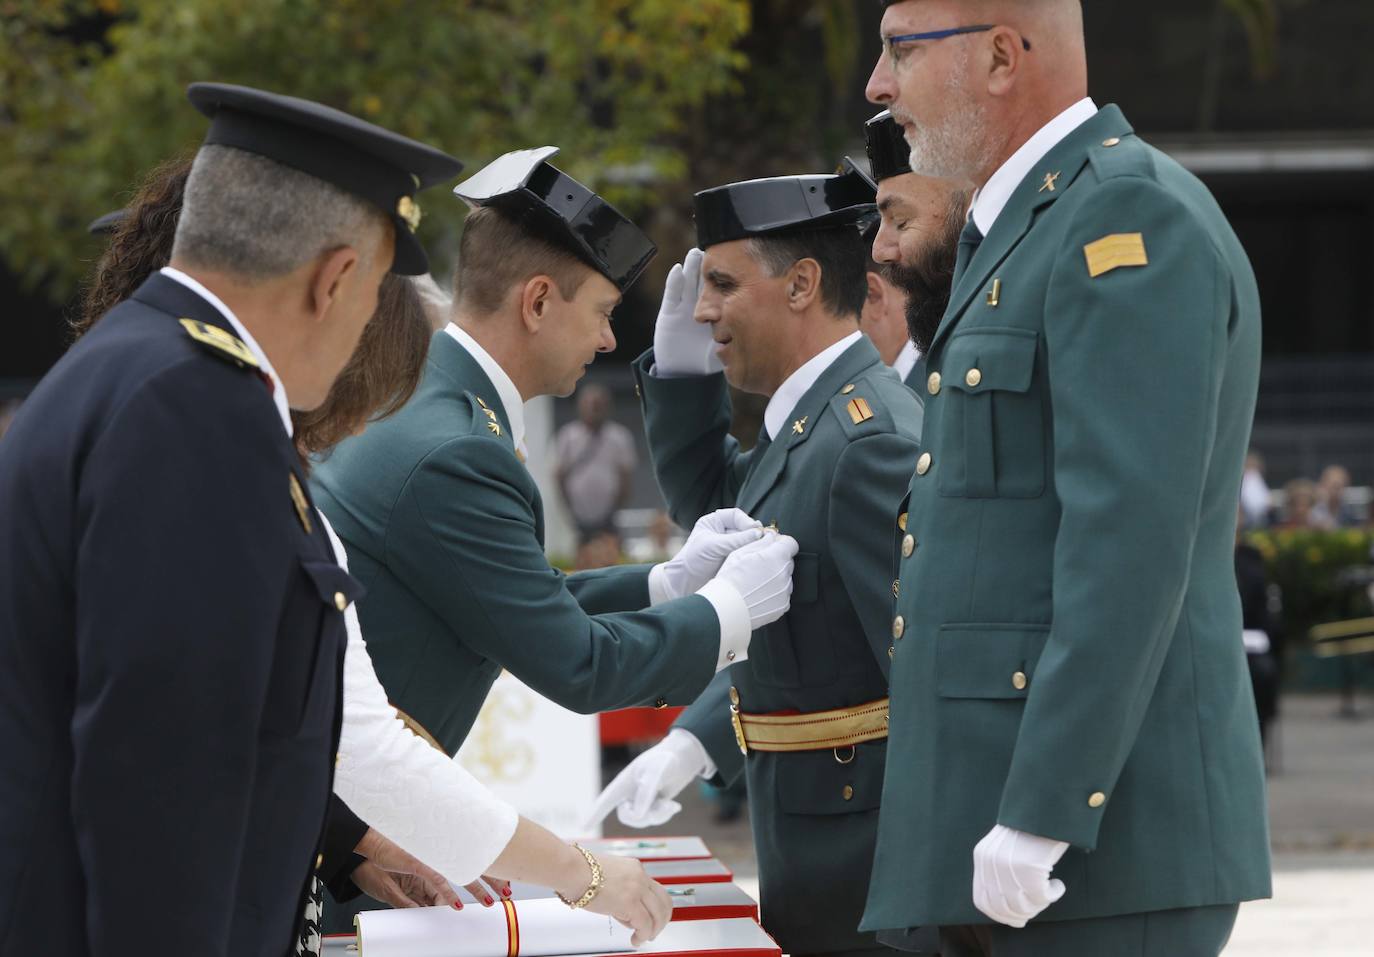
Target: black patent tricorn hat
<point>888,152</point>
<point>107,224</point>
<point>758,207</point>
<point>373,163</point>
<point>562,210</point>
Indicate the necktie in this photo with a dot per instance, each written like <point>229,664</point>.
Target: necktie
<point>969,241</point>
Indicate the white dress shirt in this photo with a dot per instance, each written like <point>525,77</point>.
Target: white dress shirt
<point>780,406</point>
<point>506,392</point>
<point>240,330</point>
<point>989,201</point>
<point>906,360</point>
<point>416,795</point>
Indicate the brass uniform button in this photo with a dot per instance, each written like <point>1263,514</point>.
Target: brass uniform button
<point>660,704</point>
<point>1018,681</point>
<point>847,389</point>
<point>898,626</point>
<point>896,586</point>
<point>319,861</point>
<point>973,377</point>
<point>933,383</point>
<point>891,652</point>
<point>1112,141</point>
<point>729,656</point>
<point>734,697</point>
<point>848,792</point>
<point>901,520</point>
<point>340,602</point>
<point>1097,799</point>
<point>923,464</point>
<point>908,546</point>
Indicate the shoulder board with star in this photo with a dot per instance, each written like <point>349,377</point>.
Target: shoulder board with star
<point>219,343</point>
<point>860,410</point>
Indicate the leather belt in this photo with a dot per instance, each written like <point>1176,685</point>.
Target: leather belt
<point>813,731</point>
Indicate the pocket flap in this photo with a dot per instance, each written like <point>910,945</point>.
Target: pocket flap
<point>987,661</point>
<point>806,571</point>
<point>815,782</point>
<point>331,581</point>
<point>990,360</point>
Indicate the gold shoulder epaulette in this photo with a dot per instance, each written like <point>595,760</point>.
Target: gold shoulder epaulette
<point>221,343</point>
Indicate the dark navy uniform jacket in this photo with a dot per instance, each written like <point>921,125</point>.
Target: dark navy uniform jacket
<point>171,651</point>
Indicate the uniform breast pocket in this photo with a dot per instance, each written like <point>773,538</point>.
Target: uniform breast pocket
<point>992,442</point>
<point>795,650</point>
<point>304,688</point>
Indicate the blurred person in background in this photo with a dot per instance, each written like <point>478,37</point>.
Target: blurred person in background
<point>1299,504</point>
<point>596,463</point>
<point>1261,651</point>
<point>1332,510</point>
<point>1255,499</point>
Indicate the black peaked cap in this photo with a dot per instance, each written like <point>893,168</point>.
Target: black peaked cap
<point>107,224</point>
<point>758,207</point>
<point>557,208</point>
<point>382,167</point>
<point>888,152</point>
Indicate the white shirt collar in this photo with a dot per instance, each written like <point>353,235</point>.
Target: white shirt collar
<point>989,201</point>
<point>506,392</point>
<point>906,360</point>
<point>796,385</point>
<point>278,390</point>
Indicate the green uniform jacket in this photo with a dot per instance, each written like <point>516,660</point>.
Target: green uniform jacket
<point>834,485</point>
<point>445,525</point>
<point>1071,663</point>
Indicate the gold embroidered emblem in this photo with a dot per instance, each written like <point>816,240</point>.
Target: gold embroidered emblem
<point>1115,251</point>
<point>298,500</point>
<point>799,426</point>
<point>859,410</point>
<point>220,341</point>
<point>494,428</point>
<point>995,294</point>
<point>409,211</point>
<point>1050,180</point>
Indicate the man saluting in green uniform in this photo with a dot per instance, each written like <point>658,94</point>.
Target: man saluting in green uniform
<point>783,284</point>
<point>1068,678</point>
<point>445,525</point>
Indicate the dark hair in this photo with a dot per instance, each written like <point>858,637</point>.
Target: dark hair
<point>840,253</point>
<point>497,251</point>
<point>379,378</point>
<point>139,246</point>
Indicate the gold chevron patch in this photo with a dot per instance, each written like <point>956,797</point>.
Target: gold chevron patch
<point>221,342</point>
<point>859,410</point>
<point>1114,252</point>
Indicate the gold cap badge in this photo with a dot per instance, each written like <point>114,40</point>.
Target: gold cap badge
<point>409,211</point>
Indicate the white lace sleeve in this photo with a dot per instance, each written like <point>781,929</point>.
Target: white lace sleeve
<point>402,786</point>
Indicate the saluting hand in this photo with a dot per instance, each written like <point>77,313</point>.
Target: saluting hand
<point>683,346</point>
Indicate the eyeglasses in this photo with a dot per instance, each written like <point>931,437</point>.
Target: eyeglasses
<point>890,43</point>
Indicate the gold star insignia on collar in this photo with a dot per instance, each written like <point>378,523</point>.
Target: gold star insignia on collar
<point>480,401</point>
<point>494,427</point>
<point>799,426</point>
<point>1050,180</point>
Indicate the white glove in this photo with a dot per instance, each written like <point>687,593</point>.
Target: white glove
<point>1011,875</point>
<point>712,540</point>
<point>643,793</point>
<point>762,574</point>
<point>683,346</point>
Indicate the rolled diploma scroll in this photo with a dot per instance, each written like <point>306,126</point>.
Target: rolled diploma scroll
<point>531,928</point>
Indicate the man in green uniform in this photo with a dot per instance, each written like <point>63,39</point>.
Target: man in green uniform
<point>445,526</point>
<point>805,718</point>
<point>1074,762</point>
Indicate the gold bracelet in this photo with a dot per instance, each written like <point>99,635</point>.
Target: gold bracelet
<point>598,882</point>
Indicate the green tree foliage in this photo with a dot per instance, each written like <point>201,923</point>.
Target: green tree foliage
<point>92,93</point>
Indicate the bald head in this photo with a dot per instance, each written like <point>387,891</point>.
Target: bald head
<point>967,101</point>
